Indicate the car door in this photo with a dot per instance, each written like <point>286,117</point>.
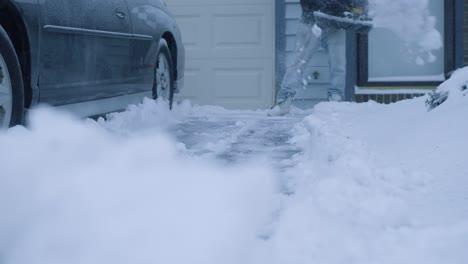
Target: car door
<point>84,50</point>
<point>147,29</point>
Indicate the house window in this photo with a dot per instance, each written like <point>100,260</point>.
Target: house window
<point>385,60</point>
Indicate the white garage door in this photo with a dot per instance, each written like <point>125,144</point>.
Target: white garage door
<point>230,51</point>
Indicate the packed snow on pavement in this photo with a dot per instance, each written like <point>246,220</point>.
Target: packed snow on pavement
<point>340,183</point>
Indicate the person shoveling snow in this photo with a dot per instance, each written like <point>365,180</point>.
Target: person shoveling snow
<point>323,24</point>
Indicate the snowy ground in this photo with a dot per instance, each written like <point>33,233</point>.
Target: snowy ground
<point>342,183</point>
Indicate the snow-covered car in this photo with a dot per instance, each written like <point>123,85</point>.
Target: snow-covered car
<point>90,57</point>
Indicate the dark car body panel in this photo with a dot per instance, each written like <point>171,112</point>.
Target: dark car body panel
<point>87,50</point>
<point>152,18</point>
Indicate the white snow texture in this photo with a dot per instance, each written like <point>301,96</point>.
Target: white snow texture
<point>374,184</point>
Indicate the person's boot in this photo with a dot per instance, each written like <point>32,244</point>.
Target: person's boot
<point>281,107</point>
<point>335,98</point>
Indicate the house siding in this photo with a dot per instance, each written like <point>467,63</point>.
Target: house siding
<point>465,34</point>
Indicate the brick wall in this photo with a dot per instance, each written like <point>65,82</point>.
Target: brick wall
<point>384,98</point>
<point>465,35</point>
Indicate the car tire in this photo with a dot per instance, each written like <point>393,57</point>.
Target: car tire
<point>164,74</point>
<point>11,84</point>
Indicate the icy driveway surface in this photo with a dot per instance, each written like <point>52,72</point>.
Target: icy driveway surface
<point>230,136</point>
<point>234,137</point>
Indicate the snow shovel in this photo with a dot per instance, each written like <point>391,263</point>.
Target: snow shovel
<point>360,25</point>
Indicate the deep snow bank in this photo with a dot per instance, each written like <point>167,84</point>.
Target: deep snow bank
<point>382,184</point>
<point>72,192</point>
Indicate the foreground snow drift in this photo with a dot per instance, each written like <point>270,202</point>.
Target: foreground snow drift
<point>380,184</point>
<point>373,184</point>
<point>70,192</point>
<point>383,184</point>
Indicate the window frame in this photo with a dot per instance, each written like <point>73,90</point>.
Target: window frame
<point>449,52</point>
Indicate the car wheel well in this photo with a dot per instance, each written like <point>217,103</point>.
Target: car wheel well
<point>12,23</point>
<point>173,50</point>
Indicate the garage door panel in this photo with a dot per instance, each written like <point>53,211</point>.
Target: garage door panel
<point>232,31</point>
<point>242,83</point>
<point>235,31</point>
<point>230,51</point>
<point>231,83</point>
<point>237,80</point>
<point>243,32</point>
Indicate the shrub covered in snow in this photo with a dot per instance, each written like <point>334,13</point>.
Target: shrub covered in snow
<point>454,89</point>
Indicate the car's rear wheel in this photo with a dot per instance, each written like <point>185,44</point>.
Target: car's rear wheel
<point>164,77</point>
<point>11,84</point>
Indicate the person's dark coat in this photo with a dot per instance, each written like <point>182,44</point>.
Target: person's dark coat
<point>330,7</point>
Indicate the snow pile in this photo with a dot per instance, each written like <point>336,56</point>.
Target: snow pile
<point>71,192</point>
<point>146,117</point>
<point>379,184</point>
<point>376,183</point>
<point>455,89</point>
<point>412,22</point>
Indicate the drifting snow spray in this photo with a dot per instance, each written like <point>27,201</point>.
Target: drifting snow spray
<point>412,22</point>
